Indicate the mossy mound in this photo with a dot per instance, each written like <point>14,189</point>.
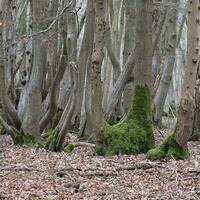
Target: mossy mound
<point>169,148</point>
<point>134,134</point>
<point>125,138</point>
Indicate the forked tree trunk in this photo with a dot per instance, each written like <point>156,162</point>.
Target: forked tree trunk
<point>33,105</point>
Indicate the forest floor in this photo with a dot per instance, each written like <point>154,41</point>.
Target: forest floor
<point>31,173</point>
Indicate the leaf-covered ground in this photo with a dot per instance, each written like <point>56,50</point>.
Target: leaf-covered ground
<point>30,173</point>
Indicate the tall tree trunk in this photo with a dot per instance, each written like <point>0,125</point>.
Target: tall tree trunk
<point>187,102</point>
<point>137,125</point>
<point>166,78</point>
<point>113,41</point>
<point>83,106</point>
<point>196,124</point>
<point>84,59</point>
<point>7,104</point>
<point>175,146</point>
<point>33,105</point>
<point>129,42</point>
<point>97,59</point>
<point>141,102</point>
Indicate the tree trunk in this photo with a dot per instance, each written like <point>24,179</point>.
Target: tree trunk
<point>84,59</point>
<point>33,105</point>
<point>196,124</point>
<point>175,146</point>
<point>83,106</point>
<point>166,78</point>
<point>134,134</point>
<point>187,103</point>
<point>97,59</point>
<point>129,42</point>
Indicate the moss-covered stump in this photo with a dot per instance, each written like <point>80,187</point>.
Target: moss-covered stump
<point>134,134</point>
<point>169,148</point>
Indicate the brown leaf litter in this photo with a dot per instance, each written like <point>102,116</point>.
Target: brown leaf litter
<point>30,173</point>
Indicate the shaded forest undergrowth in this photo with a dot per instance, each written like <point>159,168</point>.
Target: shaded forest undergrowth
<point>31,173</point>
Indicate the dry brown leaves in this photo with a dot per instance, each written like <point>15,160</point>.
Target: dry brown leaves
<point>27,173</point>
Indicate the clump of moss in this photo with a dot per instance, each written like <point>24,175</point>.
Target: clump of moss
<point>51,135</point>
<point>18,140</point>
<point>22,138</point>
<point>100,149</point>
<point>134,134</point>
<point>69,148</point>
<point>112,121</point>
<point>169,148</point>
<point>156,154</point>
<point>29,140</point>
<point>125,138</point>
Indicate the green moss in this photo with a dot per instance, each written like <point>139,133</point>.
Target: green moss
<point>25,139</point>
<point>100,149</point>
<point>69,148</point>
<point>43,198</point>
<point>141,112</point>
<point>134,134</point>
<point>169,148</point>
<point>51,135</point>
<point>156,154</point>
<point>125,138</point>
<point>112,121</point>
<point>18,140</point>
<point>29,140</point>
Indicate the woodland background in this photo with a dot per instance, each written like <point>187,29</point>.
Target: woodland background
<point>91,91</point>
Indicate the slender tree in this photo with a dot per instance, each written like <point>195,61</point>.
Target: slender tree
<point>176,144</point>
<point>97,59</point>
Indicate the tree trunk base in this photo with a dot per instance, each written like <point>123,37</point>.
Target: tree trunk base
<point>134,134</point>
<point>168,149</point>
<point>52,136</point>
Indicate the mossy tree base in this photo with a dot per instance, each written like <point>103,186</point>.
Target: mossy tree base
<point>134,134</point>
<point>168,149</point>
<point>51,135</point>
<point>24,139</point>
